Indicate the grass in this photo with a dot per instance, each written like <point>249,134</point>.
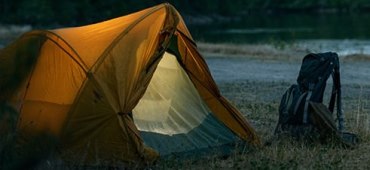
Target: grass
<point>260,101</point>
<point>288,154</point>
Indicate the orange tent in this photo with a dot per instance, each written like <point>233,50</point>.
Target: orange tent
<point>111,91</point>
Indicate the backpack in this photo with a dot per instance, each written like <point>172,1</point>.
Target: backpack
<point>295,109</point>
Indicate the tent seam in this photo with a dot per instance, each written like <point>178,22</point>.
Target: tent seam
<point>83,65</point>
<point>104,55</point>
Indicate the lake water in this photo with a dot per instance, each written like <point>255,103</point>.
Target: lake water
<point>342,33</point>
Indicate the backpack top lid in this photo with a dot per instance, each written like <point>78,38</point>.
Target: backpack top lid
<point>315,70</point>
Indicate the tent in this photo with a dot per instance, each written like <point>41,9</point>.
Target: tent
<point>124,90</point>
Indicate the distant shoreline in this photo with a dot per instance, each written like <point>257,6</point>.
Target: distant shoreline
<point>267,51</point>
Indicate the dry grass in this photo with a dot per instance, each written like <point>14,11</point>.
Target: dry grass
<point>260,103</point>
<point>271,51</point>
<point>357,57</point>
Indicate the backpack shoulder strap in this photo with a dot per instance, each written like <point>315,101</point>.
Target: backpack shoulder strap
<point>337,95</point>
<point>340,114</point>
<point>311,86</point>
<point>299,102</point>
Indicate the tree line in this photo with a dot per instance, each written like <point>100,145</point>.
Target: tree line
<point>72,12</point>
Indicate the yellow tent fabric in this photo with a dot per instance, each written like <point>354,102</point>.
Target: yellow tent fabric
<point>93,86</point>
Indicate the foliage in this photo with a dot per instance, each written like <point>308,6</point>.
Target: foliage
<point>71,13</point>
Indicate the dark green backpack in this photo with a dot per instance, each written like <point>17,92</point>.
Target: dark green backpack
<point>315,70</point>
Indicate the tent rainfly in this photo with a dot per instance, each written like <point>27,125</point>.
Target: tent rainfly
<point>124,90</point>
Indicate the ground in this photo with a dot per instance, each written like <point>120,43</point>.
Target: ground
<point>254,81</point>
<point>253,78</point>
